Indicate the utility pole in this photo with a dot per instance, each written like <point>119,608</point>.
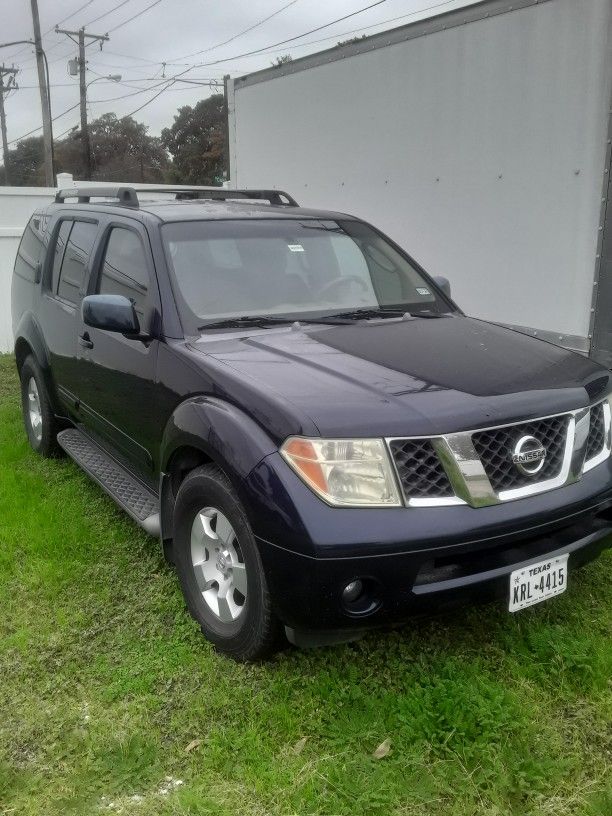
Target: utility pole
<point>45,103</point>
<point>81,34</point>
<point>10,85</point>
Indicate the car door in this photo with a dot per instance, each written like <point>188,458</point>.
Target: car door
<point>65,279</point>
<point>117,387</point>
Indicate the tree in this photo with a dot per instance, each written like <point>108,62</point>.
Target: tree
<point>196,142</point>
<point>121,151</point>
<point>27,163</point>
<point>282,60</point>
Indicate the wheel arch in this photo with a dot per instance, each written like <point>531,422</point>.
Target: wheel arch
<point>207,430</point>
<point>23,349</point>
<point>29,340</point>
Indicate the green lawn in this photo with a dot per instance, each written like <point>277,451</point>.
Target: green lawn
<point>105,681</point>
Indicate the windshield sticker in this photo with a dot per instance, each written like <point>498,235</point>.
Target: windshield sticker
<point>295,248</point>
<point>423,291</point>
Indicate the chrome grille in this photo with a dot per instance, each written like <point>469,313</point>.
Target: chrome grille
<point>420,471</point>
<point>477,467</point>
<point>496,446</point>
<point>597,432</point>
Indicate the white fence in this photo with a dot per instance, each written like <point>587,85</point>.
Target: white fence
<point>16,206</point>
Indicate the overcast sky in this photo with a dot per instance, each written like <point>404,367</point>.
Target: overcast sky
<point>172,31</point>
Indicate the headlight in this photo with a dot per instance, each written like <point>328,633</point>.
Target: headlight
<point>344,472</point>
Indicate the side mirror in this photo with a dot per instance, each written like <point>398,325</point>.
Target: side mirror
<point>443,284</point>
<point>113,313</point>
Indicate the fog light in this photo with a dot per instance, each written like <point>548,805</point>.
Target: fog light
<point>352,591</point>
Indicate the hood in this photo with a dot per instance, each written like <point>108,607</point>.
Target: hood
<point>408,377</point>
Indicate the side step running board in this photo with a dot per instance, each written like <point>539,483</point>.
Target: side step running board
<point>134,497</point>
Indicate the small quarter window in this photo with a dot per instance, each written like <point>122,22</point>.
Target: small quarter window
<point>76,255</point>
<point>30,250</point>
<point>124,271</point>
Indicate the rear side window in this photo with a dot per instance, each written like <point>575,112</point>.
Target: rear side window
<point>58,252</point>
<point>30,250</point>
<point>124,271</point>
<point>78,248</point>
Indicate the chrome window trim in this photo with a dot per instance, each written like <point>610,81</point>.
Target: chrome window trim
<point>467,475</point>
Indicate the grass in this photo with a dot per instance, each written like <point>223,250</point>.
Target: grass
<point>105,682</point>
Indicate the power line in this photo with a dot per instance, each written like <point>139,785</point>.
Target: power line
<point>168,83</point>
<point>272,49</point>
<point>80,8</point>
<point>135,16</point>
<point>191,81</point>
<point>148,90</point>
<point>110,11</point>
<point>49,30</point>
<point>101,101</point>
<point>132,56</point>
<point>171,80</point>
<point>35,130</point>
<point>31,58</point>
<point>297,36</point>
<point>241,33</point>
<point>153,98</point>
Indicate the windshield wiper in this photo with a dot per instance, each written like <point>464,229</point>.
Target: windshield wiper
<point>426,314</point>
<point>371,314</point>
<point>263,321</point>
<point>367,314</point>
<point>342,318</point>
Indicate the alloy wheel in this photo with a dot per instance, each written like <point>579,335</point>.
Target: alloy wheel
<point>218,565</point>
<point>34,410</point>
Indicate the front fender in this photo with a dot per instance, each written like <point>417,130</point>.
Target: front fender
<point>223,433</point>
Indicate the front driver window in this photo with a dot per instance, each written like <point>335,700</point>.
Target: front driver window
<point>124,271</point>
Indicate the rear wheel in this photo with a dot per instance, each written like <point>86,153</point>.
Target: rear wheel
<point>219,567</point>
<point>38,417</point>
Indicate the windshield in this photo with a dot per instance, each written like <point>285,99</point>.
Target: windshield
<point>289,268</point>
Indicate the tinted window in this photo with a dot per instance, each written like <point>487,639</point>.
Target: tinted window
<point>58,252</point>
<point>124,271</point>
<point>30,250</point>
<point>78,249</point>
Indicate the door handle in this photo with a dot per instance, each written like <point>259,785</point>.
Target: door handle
<point>85,341</point>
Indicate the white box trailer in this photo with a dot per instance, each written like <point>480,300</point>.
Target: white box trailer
<point>478,139</point>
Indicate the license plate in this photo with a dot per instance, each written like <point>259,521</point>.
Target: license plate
<point>537,582</point>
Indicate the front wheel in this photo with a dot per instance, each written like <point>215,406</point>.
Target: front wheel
<point>219,567</point>
<point>38,417</point>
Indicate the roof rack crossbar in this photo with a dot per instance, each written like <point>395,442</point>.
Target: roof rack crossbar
<point>275,197</point>
<point>128,196</point>
<point>123,195</point>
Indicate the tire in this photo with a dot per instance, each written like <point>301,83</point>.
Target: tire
<point>220,569</point>
<point>40,422</point>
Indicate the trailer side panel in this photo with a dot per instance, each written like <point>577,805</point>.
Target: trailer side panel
<point>479,147</point>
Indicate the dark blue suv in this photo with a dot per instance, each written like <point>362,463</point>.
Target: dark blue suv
<point>321,439</point>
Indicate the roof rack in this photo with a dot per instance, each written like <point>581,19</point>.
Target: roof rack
<point>123,195</point>
<point>128,196</point>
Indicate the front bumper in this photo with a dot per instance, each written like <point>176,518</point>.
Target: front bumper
<point>412,560</point>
